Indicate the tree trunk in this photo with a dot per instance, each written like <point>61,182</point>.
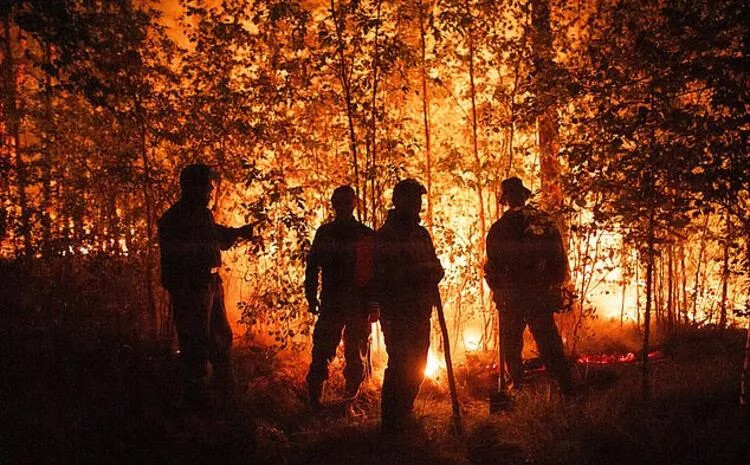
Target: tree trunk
<point>645,375</point>
<point>149,204</point>
<point>512,128</point>
<point>698,285</point>
<point>622,300</point>
<point>547,122</point>
<point>745,369</point>
<point>346,86</point>
<point>623,270</point>
<point>372,144</point>
<point>113,222</point>
<point>746,359</point>
<point>637,293</point>
<point>657,294</point>
<point>683,285</point>
<point>475,151</point>
<point>47,159</point>
<point>425,114</point>
<point>725,276</point>
<point>662,306</point>
<point>670,289</point>
<point>474,137</point>
<point>14,127</point>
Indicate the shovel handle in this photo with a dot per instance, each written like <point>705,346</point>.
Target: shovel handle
<point>501,387</point>
<point>449,365</point>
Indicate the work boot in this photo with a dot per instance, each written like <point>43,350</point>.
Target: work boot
<point>315,391</point>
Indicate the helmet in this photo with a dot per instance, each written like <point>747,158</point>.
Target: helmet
<point>513,187</point>
<point>341,195</point>
<point>407,188</point>
<point>195,176</point>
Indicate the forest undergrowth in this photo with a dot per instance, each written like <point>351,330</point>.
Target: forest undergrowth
<point>82,389</point>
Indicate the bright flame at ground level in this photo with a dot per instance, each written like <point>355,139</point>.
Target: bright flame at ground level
<point>472,340</point>
<point>434,365</point>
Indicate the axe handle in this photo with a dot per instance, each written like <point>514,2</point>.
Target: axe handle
<point>501,387</point>
<point>449,365</point>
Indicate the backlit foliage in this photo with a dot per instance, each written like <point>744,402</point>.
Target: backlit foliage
<point>104,102</point>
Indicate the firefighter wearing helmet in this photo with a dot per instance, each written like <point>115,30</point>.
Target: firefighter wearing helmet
<point>341,252</point>
<point>406,274</point>
<point>526,268</point>
<point>190,244</point>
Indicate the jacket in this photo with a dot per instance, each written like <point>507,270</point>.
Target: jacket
<point>526,259</point>
<point>407,270</point>
<point>340,252</point>
<point>190,244</point>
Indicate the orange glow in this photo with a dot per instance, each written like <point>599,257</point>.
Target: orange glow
<point>472,340</point>
<point>435,365</point>
<point>426,134</point>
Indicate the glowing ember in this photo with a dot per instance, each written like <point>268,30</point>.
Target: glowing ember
<point>607,359</point>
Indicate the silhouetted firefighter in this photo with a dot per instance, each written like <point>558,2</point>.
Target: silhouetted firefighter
<point>342,251</point>
<point>407,272</point>
<point>526,267</point>
<point>191,245</point>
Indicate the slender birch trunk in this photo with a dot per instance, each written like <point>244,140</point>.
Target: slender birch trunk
<point>475,151</point>
<point>725,276</point>
<point>344,78</point>
<point>425,113</point>
<point>149,204</point>
<point>372,144</point>
<point>547,121</point>
<point>697,282</point>
<point>637,292</point>
<point>670,289</point>
<point>683,285</point>
<point>645,373</point>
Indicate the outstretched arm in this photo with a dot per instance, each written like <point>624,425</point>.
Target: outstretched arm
<point>226,236</point>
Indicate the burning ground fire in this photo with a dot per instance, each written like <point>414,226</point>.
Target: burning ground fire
<point>474,364</point>
<point>435,365</point>
<point>611,359</point>
<point>436,360</point>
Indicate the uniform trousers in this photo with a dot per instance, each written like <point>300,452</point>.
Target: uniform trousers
<point>203,331</point>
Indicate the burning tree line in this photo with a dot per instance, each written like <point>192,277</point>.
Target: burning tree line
<point>628,118</point>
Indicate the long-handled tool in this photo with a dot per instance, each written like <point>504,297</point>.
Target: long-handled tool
<point>499,398</point>
<point>457,422</point>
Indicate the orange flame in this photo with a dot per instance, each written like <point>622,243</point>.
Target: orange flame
<point>434,366</point>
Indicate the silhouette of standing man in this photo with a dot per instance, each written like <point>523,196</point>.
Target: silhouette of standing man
<point>340,250</point>
<point>526,266</point>
<point>405,280</point>
<point>191,245</point>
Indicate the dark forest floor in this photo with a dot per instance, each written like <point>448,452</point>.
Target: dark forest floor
<point>75,396</point>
